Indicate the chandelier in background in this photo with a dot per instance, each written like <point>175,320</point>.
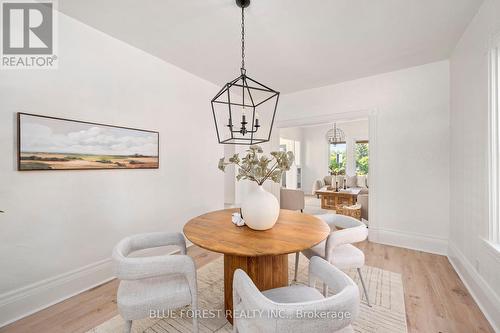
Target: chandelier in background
<point>335,135</point>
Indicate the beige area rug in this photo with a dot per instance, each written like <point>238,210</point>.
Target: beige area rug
<point>385,289</point>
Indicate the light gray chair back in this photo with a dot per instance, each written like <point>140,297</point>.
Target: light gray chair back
<point>292,199</point>
<point>287,317</point>
<point>137,273</point>
<point>345,230</point>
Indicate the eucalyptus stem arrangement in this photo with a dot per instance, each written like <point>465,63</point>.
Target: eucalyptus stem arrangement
<point>257,167</point>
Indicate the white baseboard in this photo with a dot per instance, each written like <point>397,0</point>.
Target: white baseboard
<point>22,302</point>
<point>485,297</point>
<point>408,240</point>
<point>27,300</point>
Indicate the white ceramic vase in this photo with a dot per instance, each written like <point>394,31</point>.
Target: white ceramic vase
<point>260,209</point>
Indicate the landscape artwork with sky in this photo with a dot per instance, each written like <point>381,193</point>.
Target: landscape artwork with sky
<point>58,144</point>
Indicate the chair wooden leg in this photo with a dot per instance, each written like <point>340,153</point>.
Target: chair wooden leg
<point>296,266</point>
<point>364,287</point>
<point>128,326</point>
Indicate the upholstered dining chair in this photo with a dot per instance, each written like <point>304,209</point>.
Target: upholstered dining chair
<point>337,249</point>
<point>289,309</point>
<point>292,199</point>
<point>154,283</point>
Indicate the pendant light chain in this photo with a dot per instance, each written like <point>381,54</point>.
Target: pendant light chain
<point>234,102</point>
<point>243,39</point>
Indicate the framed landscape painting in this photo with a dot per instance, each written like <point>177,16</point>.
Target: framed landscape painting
<point>48,143</point>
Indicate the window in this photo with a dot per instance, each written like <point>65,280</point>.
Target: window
<point>494,146</point>
<point>362,151</point>
<point>337,161</point>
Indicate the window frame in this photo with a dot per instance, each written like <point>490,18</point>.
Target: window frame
<point>494,141</point>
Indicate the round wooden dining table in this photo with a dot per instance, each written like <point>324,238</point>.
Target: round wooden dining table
<point>263,255</point>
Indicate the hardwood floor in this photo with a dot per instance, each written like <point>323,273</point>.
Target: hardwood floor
<point>435,298</point>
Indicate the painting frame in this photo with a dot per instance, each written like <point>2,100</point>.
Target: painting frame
<point>20,152</point>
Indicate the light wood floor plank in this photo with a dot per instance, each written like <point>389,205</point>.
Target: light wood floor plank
<point>436,299</point>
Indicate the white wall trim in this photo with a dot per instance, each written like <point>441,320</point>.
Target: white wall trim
<point>493,143</point>
<point>485,297</point>
<point>323,119</point>
<point>27,300</point>
<point>492,249</point>
<point>22,302</point>
<point>408,240</point>
<point>373,168</point>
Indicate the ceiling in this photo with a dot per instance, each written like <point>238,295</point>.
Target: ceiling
<point>290,45</point>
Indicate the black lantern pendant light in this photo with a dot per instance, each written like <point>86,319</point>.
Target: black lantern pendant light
<point>244,109</point>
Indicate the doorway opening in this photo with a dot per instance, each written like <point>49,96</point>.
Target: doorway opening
<point>323,166</point>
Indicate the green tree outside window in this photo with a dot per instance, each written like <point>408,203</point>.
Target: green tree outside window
<point>337,159</point>
<point>362,159</point>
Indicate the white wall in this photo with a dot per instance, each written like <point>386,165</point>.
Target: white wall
<point>296,144</point>
<point>291,133</point>
<point>315,164</point>
<point>477,262</point>
<point>229,177</point>
<point>59,227</point>
<point>409,174</point>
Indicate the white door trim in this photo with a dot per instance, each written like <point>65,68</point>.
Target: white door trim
<point>323,119</point>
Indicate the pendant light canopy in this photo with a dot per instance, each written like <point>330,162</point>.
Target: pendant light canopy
<point>244,109</point>
<point>335,135</point>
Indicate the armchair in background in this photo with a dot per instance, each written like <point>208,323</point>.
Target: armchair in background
<point>317,185</point>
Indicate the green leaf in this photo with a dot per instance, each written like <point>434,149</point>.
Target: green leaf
<point>255,149</point>
<point>234,159</point>
<point>276,176</point>
<point>222,165</point>
<point>256,167</point>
